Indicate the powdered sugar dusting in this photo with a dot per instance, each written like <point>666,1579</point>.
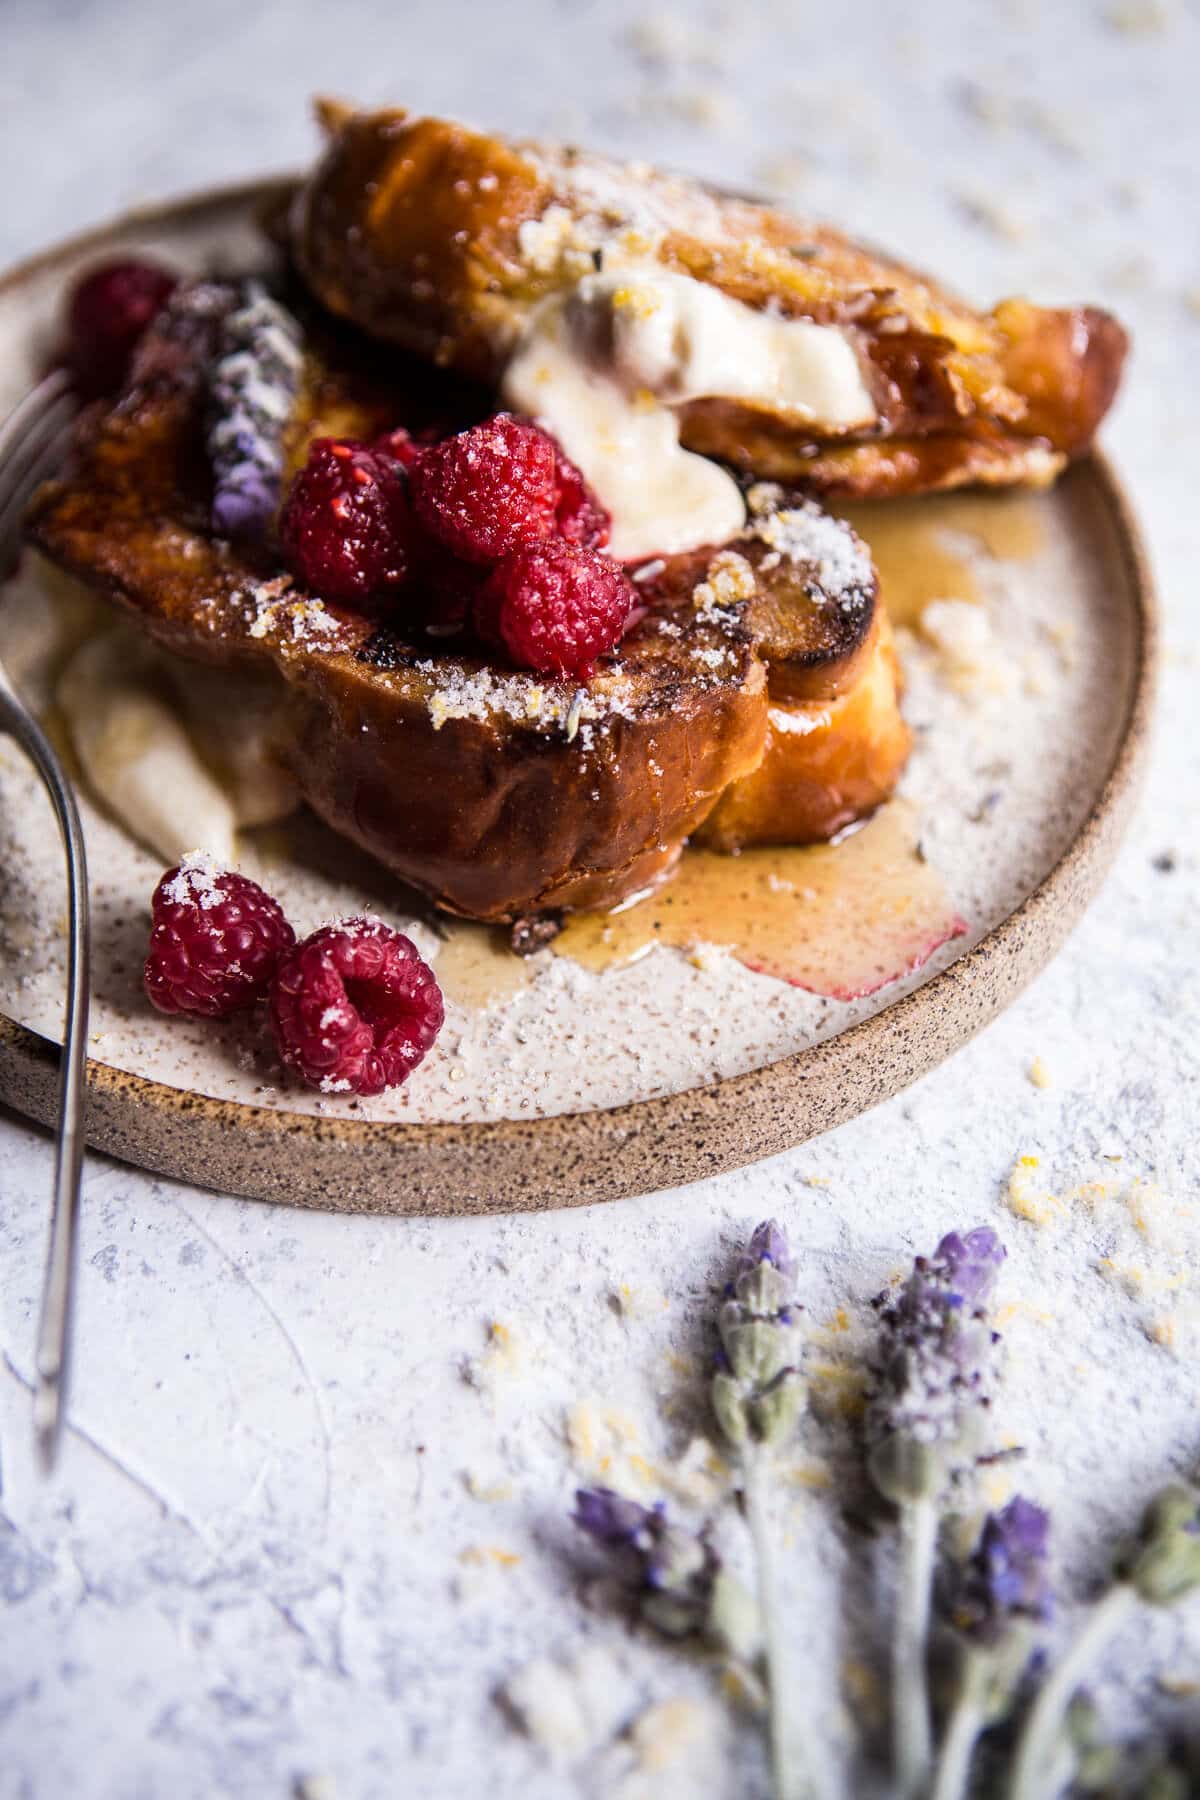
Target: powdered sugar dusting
<point>197,881</point>
<point>805,535</point>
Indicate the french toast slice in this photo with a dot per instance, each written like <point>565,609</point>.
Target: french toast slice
<point>448,241</point>
<point>500,794</point>
<point>826,762</point>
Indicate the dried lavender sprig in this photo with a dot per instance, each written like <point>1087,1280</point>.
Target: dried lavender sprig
<point>252,389</point>
<point>683,1589</point>
<point>1001,1594</point>
<point>1161,1568</point>
<point>934,1376</point>
<point>936,1368</point>
<point>757,1393</point>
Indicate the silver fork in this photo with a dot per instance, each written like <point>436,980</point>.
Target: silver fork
<point>33,442</point>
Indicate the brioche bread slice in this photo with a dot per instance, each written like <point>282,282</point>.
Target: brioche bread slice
<point>498,793</point>
<point>447,240</point>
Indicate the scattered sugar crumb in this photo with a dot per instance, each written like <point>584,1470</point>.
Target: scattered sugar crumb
<point>637,1304</point>
<point>994,216</point>
<point>502,1358</point>
<point>488,1555</point>
<point>314,1787</point>
<point>666,39</point>
<point>667,1732</point>
<point>490,1489</point>
<point>782,173</point>
<point>961,634</point>
<point>1026,1195</point>
<point>1139,18</point>
<point>569,1708</point>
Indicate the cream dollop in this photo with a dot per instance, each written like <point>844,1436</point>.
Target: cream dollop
<point>181,756</point>
<point>604,366</point>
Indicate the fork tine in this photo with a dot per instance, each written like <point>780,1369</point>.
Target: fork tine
<point>27,411</point>
<point>52,434</point>
<point>15,496</point>
<point>44,425</point>
<point>33,441</point>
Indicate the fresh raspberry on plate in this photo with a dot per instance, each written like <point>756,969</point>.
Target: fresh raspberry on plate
<point>215,939</point>
<point>488,489</point>
<point>355,1007</point>
<point>554,607</point>
<point>107,312</point>
<point>345,526</point>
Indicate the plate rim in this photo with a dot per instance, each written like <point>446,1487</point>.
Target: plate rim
<point>641,1146</point>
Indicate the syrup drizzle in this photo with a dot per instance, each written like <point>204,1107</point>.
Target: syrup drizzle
<point>912,543</point>
<point>476,968</point>
<point>840,919</point>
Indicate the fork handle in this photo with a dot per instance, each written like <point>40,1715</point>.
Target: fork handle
<point>54,1325</point>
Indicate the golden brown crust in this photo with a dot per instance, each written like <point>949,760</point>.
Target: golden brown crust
<point>443,239</point>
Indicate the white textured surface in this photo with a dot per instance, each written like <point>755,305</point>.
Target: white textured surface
<point>250,1567</point>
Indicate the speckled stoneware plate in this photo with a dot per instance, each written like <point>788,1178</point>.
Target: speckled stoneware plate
<point>555,1082</point>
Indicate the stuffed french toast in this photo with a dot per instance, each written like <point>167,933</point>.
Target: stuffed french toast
<point>506,493</point>
<point>780,346</point>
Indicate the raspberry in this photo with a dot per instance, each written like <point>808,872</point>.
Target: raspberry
<point>345,527</point>
<point>555,607</point>
<point>488,489</point>
<point>580,517</point>
<point>106,315</point>
<point>401,446</point>
<point>355,1007</point>
<point>215,940</point>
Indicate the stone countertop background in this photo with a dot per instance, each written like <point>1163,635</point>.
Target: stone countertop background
<point>310,1515</point>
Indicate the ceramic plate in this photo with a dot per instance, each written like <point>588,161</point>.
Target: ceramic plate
<point>1026,630</point>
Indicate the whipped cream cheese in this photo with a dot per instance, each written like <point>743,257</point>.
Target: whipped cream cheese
<point>604,366</point>
<point>155,744</point>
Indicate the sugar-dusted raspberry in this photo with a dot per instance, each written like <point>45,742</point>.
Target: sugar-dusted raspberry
<point>107,312</point>
<point>355,1007</point>
<point>580,517</point>
<point>554,607</point>
<point>215,940</point>
<point>345,527</point>
<point>486,490</point>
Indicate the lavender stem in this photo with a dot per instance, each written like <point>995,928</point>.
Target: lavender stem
<point>962,1734</point>
<point>788,1781</point>
<point>911,1735</point>
<point>1043,1730</point>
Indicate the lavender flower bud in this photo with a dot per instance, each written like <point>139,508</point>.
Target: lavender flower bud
<point>1165,1564</point>
<point>936,1368</point>
<point>1007,1575</point>
<point>756,1390</point>
<point>683,1589</point>
<point>252,389</point>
